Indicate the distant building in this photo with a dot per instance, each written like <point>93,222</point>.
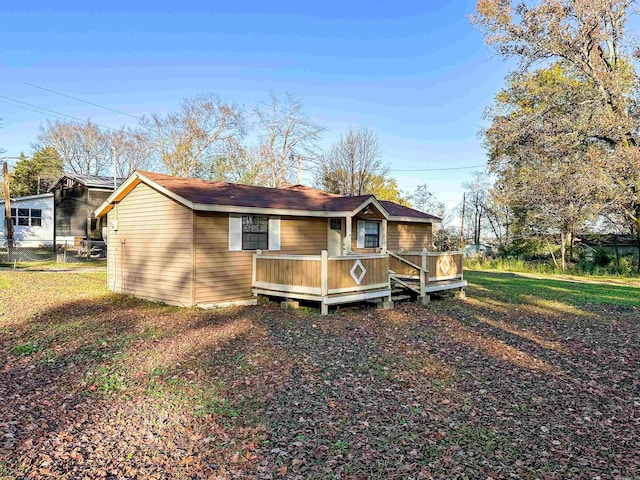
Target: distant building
<point>32,220</point>
<point>76,197</point>
<point>615,244</point>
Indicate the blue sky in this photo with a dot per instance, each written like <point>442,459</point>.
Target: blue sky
<point>416,72</point>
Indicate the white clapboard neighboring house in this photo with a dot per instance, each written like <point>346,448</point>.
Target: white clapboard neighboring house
<point>32,219</point>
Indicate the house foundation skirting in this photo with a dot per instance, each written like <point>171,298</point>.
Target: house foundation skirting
<point>326,300</point>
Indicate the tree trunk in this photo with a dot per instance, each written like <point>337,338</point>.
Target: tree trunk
<point>638,239</point>
<point>563,249</point>
<point>570,247</point>
<point>638,234</point>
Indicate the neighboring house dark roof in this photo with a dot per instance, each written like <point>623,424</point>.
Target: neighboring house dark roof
<point>89,181</point>
<point>609,239</point>
<point>200,193</point>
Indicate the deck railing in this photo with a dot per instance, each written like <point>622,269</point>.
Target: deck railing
<point>320,275</point>
<point>429,267</point>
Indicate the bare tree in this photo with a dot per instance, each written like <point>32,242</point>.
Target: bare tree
<point>286,134</point>
<point>185,140</point>
<point>352,163</point>
<point>130,151</point>
<point>236,163</point>
<point>477,197</point>
<point>84,148</point>
<point>424,200</point>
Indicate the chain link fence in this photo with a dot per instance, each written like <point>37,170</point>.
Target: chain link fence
<point>42,251</point>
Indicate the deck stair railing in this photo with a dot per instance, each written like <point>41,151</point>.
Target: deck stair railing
<point>420,271</point>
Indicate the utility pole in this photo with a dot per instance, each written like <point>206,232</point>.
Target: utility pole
<point>7,211</point>
<point>464,205</point>
<point>115,169</point>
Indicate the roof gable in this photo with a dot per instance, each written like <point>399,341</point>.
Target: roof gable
<point>89,181</point>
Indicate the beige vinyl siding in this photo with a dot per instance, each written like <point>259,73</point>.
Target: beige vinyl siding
<point>150,255</point>
<point>224,276</point>
<point>303,236</point>
<point>221,275</point>
<point>409,236</point>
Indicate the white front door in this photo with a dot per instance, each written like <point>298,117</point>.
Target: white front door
<point>335,236</point>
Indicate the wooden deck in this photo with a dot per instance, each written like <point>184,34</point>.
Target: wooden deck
<point>328,280</point>
<point>356,277</point>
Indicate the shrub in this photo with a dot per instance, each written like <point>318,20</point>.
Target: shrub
<point>601,257</point>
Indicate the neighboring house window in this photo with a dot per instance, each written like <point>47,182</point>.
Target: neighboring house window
<point>371,234</point>
<point>255,233</point>
<point>25,217</point>
<point>36,217</point>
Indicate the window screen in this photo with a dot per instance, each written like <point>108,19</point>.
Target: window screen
<point>255,233</point>
<point>371,234</point>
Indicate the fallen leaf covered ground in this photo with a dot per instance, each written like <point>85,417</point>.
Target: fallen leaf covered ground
<point>527,378</point>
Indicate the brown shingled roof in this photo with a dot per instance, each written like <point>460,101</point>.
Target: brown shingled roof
<point>396,210</point>
<point>231,194</point>
<point>200,193</point>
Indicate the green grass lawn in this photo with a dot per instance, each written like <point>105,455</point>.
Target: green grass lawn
<point>519,288</point>
<point>530,377</point>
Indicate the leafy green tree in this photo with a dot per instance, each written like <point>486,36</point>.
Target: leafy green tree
<point>547,171</point>
<point>386,188</point>
<point>36,174</point>
<point>589,41</point>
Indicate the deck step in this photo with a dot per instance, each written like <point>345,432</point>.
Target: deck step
<point>399,298</point>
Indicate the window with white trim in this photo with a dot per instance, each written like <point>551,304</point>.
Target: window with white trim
<point>25,217</point>
<point>371,234</point>
<point>255,233</point>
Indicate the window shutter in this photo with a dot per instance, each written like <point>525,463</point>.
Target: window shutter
<point>274,234</point>
<point>360,242</point>
<point>235,233</point>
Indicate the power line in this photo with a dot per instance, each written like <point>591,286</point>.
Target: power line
<point>54,112</point>
<point>435,169</point>
<point>76,98</point>
<point>33,110</point>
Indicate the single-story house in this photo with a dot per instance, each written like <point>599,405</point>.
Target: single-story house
<point>194,242</point>
<point>32,220</point>
<point>76,196</point>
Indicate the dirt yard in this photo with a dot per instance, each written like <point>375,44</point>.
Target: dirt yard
<point>527,378</point>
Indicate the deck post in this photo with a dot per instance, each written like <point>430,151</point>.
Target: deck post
<point>324,281</point>
<point>347,236</point>
<point>253,267</point>
<point>424,274</point>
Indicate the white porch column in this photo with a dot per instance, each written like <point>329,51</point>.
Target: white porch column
<point>347,237</point>
<point>383,234</point>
